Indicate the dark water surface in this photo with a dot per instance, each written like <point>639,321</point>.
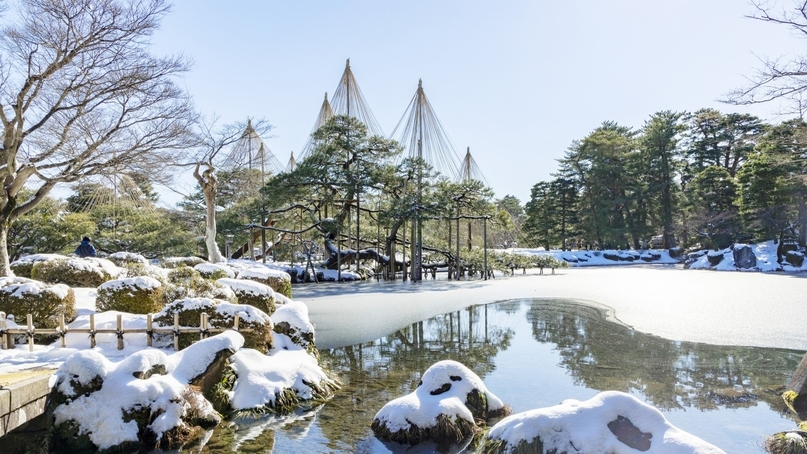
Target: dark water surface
<point>532,354</point>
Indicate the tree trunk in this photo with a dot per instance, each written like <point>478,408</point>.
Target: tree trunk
<point>5,267</point>
<point>207,180</point>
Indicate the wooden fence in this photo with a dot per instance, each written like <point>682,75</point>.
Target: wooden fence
<point>204,330</point>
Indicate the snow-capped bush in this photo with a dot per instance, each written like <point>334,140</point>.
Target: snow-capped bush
<point>214,271</point>
<point>45,302</point>
<point>795,258</point>
<point>186,282</point>
<point>280,281</point>
<point>76,272</point>
<point>448,401</point>
<point>176,262</point>
<point>137,295</point>
<point>254,324</point>
<point>252,293</point>
<point>22,266</point>
<point>124,259</point>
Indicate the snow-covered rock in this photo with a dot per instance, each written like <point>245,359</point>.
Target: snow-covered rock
<point>612,422</point>
<point>444,407</point>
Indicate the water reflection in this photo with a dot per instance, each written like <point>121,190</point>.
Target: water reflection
<point>534,353</point>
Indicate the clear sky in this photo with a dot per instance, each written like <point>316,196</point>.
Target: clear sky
<point>516,81</point>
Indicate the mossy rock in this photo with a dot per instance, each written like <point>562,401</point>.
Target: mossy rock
<point>176,262</point>
<point>445,431</point>
<point>138,295</point>
<point>792,442</point>
<point>611,256</point>
<point>75,272</point>
<point>254,324</point>
<point>21,296</point>
<point>794,258</point>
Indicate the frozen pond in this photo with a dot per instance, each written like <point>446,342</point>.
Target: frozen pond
<point>535,353</point>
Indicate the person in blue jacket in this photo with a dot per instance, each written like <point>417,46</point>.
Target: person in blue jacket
<point>85,249</point>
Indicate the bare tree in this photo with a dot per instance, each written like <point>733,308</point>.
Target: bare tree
<point>80,95</point>
<point>781,77</point>
<point>229,147</point>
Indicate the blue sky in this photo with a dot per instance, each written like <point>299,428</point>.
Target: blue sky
<point>516,81</point>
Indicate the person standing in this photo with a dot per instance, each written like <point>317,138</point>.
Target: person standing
<point>85,249</point>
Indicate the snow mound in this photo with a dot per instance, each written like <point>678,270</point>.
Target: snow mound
<point>594,426</point>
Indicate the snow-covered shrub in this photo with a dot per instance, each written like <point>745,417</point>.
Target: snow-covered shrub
<point>714,257</point>
<point>137,295</point>
<point>23,266</point>
<point>76,272</point>
<point>611,421</point>
<point>176,262</point>
<point>254,324</point>
<point>143,402</point>
<point>186,282</point>
<point>252,293</point>
<point>651,256</point>
<point>293,329</point>
<point>445,406</point>
<point>21,296</point>
<point>794,258</point>
<point>280,281</point>
<point>125,259</point>
<point>277,383</point>
<point>214,271</point>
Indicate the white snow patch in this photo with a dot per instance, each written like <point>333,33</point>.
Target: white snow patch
<point>247,286</point>
<point>210,268</point>
<point>139,282</point>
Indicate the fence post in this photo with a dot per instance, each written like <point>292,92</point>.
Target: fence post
<point>92,330</point>
<point>62,332</point>
<point>235,322</point>
<point>30,320</point>
<point>119,329</point>
<point>176,332</point>
<point>149,331</point>
<point>202,325</point>
<point>3,327</point>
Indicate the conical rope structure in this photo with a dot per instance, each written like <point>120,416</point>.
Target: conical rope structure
<point>292,164</point>
<point>420,123</point>
<point>349,100</point>
<point>251,150</point>
<point>325,114</point>
<point>469,170</point>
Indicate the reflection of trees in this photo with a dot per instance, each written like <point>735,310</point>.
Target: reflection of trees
<point>376,372</point>
<point>604,355</point>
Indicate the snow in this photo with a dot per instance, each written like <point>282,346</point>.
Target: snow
<point>421,407</point>
<point>139,282</point>
<point>191,362</point>
<point>261,272</point>
<point>261,378</point>
<point>247,286</point>
<point>575,426</point>
<point>766,260</point>
<point>295,314</point>
<point>211,268</point>
<point>33,258</point>
<point>245,312</point>
<point>95,265</point>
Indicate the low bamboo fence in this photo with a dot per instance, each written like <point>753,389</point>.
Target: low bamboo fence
<point>204,329</point>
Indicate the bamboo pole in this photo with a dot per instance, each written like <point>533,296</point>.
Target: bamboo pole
<point>3,334</point>
<point>176,332</point>
<point>30,320</point>
<point>92,330</point>
<point>149,331</point>
<point>202,325</point>
<point>119,330</point>
<point>62,331</point>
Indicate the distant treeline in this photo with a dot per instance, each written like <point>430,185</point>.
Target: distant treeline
<point>705,178</point>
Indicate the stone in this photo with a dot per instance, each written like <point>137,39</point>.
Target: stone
<point>744,257</point>
<point>629,434</point>
<point>798,383</point>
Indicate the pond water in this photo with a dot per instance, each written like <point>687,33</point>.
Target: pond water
<point>532,354</point>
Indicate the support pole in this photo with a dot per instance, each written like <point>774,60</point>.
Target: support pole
<point>485,242</point>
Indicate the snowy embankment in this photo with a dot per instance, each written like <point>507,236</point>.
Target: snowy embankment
<point>602,258</point>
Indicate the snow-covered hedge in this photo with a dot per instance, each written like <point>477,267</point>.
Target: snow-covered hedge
<point>137,295</point>
<point>21,296</point>
<point>280,281</point>
<point>254,324</point>
<point>125,259</point>
<point>214,271</point>
<point>252,293</point>
<point>23,266</point>
<point>176,262</point>
<point>76,272</point>
<point>186,282</point>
